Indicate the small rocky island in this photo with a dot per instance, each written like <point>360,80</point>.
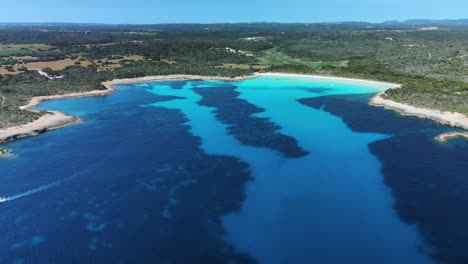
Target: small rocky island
<point>4,152</point>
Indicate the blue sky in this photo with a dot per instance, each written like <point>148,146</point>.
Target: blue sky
<point>207,11</point>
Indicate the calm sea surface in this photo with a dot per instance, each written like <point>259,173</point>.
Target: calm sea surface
<point>268,170</point>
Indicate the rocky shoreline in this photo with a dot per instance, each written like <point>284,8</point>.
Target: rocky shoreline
<point>4,152</point>
<point>447,136</point>
<point>445,118</point>
<point>50,120</point>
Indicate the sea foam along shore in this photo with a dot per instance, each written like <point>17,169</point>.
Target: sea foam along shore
<point>55,119</point>
<point>443,117</point>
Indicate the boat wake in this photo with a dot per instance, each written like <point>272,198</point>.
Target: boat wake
<point>33,191</point>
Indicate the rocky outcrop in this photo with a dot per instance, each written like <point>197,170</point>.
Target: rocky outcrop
<point>51,120</point>
<point>452,119</point>
<point>3,152</point>
<point>447,136</point>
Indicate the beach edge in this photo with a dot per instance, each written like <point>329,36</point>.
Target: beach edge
<point>452,119</point>
<point>56,119</point>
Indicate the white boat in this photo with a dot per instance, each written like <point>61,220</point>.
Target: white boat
<point>3,199</point>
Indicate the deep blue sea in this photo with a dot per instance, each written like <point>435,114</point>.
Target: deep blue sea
<point>274,170</point>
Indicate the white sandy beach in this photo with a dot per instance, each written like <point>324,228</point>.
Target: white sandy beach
<point>327,78</point>
<point>55,119</point>
<point>109,84</point>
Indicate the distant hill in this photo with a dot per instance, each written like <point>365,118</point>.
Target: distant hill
<point>410,22</point>
<point>429,22</point>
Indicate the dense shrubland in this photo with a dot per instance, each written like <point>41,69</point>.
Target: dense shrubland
<point>430,65</point>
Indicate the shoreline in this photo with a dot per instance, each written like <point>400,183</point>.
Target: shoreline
<point>50,120</point>
<point>109,84</point>
<point>56,119</point>
<point>451,135</point>
<point>452,119</point>
<point>175,77</point>
<point>316,76</point>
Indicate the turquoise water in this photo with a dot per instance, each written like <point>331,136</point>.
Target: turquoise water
<point>293,203</point>
<point>267,170</point>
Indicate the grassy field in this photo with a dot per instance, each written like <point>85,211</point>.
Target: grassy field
<point>11,52</point>
<point>21,49</point>
<point>112,64</point>
<point>109,44</point>
<point>6,72</point>
<point>243,66</point>
<point>54,65</point>
<point>58,65</point>
<point>274,57</point>
<point>25,46</point>
<point>22,58</point>
<point>31,47</point>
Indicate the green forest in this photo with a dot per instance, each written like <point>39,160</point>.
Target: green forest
<point>430,63</point>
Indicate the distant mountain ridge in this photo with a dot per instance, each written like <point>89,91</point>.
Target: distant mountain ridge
<point>429,22</point>
<point>447,22</point>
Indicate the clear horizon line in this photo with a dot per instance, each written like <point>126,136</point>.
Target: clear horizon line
<point>251,22</point>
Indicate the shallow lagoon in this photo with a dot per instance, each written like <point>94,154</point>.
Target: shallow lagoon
<point>268,170</point>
